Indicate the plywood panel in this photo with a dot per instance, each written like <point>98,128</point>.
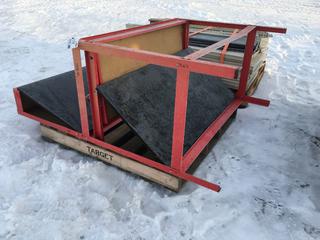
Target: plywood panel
<point>166,41</point>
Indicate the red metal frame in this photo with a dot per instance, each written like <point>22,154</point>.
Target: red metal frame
<point>180,163</point>
<point>179,118</point>
<point>95,100</point>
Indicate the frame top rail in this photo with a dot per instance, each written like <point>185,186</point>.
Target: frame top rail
<point>235,25</point>
<point>135,31</point>
<point>206,67</point>
<point>170,23</point>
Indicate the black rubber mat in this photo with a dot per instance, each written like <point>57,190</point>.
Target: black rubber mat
<point>204,40</point>
<point>58,96</point>
<point>145,100</point>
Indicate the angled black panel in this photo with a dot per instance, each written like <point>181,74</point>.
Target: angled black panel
<point>145,100</point>
<point>58,96</point>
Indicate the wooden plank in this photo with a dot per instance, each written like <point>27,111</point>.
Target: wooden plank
<point>127,164</point>
<point>167,41</point>
<point>135,144</point>
<point>253,87</point>
<point>117,133</point>
<point>112,158</point>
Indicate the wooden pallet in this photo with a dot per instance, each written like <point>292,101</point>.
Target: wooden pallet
<point>123,137</point>
<point>254,85</point>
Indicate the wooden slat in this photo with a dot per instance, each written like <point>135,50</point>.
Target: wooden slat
<point>127,164</point>
<point>135,144</point>
<point>112,158</point>
<point>117,133</point>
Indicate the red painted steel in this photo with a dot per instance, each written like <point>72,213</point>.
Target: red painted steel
<point>80,91</point>
<point>185,36</point>
<point>112,124</point>
<point>102,102</point>
<point>18,100</point>
<point>91,38</point>
<point>199,181</point>
<point>179,118</point>
<point>217,69</point>
<point>180,163</point>
<point>245,71</point>
<point>204,51</point>
<point>238,26</point>
<point>131,32</point>
<point>93,82</point>
<point>257,101</point>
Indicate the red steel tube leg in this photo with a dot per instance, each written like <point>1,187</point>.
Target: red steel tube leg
<point>246,64</point>
<point>102,102</point>
<point>185,38</point>
<point>80,91</point>
<point>257,101</point>
<point>17,97</point>
<point>179,120</point>
<point>138,30</point>
<point>92,73</point>
<point>199,181</point>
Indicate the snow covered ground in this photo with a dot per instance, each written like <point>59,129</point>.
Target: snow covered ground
<point>268,162</point>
